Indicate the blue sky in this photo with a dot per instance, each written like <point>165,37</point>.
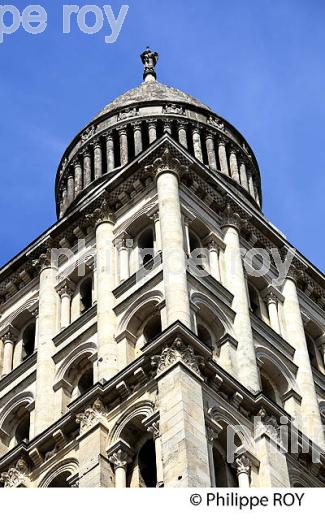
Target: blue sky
<point>258,63</point>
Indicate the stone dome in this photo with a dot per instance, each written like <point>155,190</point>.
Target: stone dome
<point>129,125</point>
<point>151,91</point>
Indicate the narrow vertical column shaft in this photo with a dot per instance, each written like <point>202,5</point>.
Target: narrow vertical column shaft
<point>271,301</point>
<point>124,149</point>
<point>214,260</point>
<point>182,136</point>
<point>250,184</point>
<point>311,420</point>
<point>174,264</point>
<point>70,184</point>
<point>235,281</point>
<point>197,143</point>
<point>157,245</point>
<point>87,167</point>
<point>137,132</point>
<point>98,158</point>
<point>223,157</point>
<point>9,338</point>
<point>233,165</point>
<point>77,176</point>
<point>243,176</point>
<point>110,152</point>
<point>152,127</point>
<point>211,152</point>
<point>47,329</point>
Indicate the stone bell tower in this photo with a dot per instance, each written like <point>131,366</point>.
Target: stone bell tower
<point>141,345</point>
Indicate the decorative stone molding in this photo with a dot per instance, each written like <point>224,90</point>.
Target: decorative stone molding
<point>214,121</point>
<point>270,295</point>
<point>95,414</point>
<point>10,333</point>
<point>152,424</point>
<point>230,217</point>
<point>178,351</point>
<point>120,454</point>
<point>88,133</point>
<point>16,476</point>
<point>66,288</point>
<point>101,214</point>
<point>267,424</point>
<point>127,113</point>
<point>167,163</point>
<point>242,464</point>
<point>172,108</point>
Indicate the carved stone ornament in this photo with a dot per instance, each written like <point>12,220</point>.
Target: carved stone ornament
<point>95,414</point>
<point>66,288</point>
<point>128,112</point>
<point>103,213</point>
<point>230,217</point>
<point>178,351</point>
<point>167,163</point>
<point>149,60</point>
<point>16,475</point>
<point>88,133</point>
<point>242,464</point>
<point>267,424</point>
<point>120,454</point>
<point>216,122</point>
<point>270,296</point>
<point>173,109</point>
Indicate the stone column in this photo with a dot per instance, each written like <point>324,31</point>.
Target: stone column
<point>47,329</point>
<point>98,158</point>
<point>94,467</point>
<point>65,291</point>
<point>137,132</point>
<point>250,184</point>
<point>35,314</point>
<point>157,244</point>
<point>182,424</point>
<point>197,143</point>
<point>110,152</point>
<point>64,198</point>
<point>243,467</point>
<point>120,455</point>
<point>70,184</point>
<point>320,343</point>
<point>174,261</point>
<point>9,337</point>
<point>124,148</point>
<point>311,420</point>
<point>223,157</point>
<point>77,176</point>
<point>233,164</point>
<point>152,425</point>
<point>271,301</point>
<point>211,151</point>
<point>106,318</point>
<point>152,127</point>
<point>182,135</point>
<point>243,175</point>
<point>167,126</point>
<point>214,259</point>
<point>235,282</point>
<point>123,252</point>
<point>87,167</point>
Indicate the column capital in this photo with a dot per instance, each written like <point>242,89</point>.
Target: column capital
<point>102,214</point>
<point>270,295</point>
<point>152,424</point>
<point>136,125</point>
<point>123,241</point>
<point>44,260</point>
<point>230,218</point>
<point>66,288</point>
<point>93,415</point>
<point>122,130</point>
<point>108,135</point>
<point>167,163</point>
<point>86,152</point>
<point>174,353</point>
<point>16,475</point>
<point>120,454</point>
<point>242,464</point>
<point>9,334</point>
<point>76,161</point>
<point>96,142</point>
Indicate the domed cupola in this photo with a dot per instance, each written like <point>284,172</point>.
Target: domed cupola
<point>133,121</point>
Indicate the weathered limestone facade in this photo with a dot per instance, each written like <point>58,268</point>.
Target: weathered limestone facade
<point>124,363</point>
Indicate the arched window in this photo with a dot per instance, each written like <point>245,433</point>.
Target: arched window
<point>204,335</point>
<point>22,429</point>
<point>254,301</point>
<point>86,295</point>
<point>61,481</point>
<point>28,339</point>
<point>147,464</point>
<point>146,246</point>
<point>152,329</point>
<point>86,381</point>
